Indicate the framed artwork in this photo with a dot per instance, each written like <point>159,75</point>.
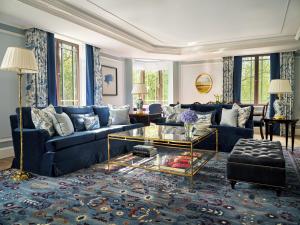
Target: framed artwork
<point>203,83</point>
<point>110,81</point>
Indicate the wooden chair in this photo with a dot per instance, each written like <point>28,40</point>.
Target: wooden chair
<point>258,119</point>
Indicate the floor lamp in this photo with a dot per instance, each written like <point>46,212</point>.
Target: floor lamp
<point>20,61</point>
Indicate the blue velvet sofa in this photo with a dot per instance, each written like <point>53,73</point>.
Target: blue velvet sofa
<point>56,155</point>
<point>228,136</point>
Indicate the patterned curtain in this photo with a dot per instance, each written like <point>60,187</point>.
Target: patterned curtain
<point>228,79</point>
<point>98,79</point>
<point>36,84</point>
<point>287,71</point>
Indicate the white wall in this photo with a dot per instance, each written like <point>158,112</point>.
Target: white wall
<point>120,99</point>
<point>188,74</point>
<point>8,84</point>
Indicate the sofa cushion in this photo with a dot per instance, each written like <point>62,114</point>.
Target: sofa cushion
<point>78,121</point>
<point>27,119</point>
<point>57,143</point>
<point>78,110</point>
<point>103,114</point>
<point>104,131</point>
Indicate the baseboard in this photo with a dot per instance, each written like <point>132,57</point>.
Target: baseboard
<point>7,152</point>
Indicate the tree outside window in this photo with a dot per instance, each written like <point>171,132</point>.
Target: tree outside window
<point>255,79</point>
<point>157,84</point>
<point>67,76</point>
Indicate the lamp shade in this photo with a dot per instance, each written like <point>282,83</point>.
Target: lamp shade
<point>19,60</point>
<point>278,86</point>
<point>139,89</point>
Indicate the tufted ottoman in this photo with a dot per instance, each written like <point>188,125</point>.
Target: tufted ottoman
<point>257,161</point>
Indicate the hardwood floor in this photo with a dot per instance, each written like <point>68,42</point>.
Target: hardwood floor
<point>6,163</point>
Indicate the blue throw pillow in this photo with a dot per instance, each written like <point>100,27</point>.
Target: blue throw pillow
<point>103,114</point>
<point>78,121</point>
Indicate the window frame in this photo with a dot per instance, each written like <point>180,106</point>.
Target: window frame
<point>256,76</point>
<point>76,102</point>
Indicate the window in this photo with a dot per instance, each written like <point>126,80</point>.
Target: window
<point>157,84</point>
<point>255,79</point>
<point>67,76</point>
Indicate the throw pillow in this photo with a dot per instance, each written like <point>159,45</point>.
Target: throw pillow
<point>119,115</point>
<point>244,114</point>
<point>78,121</point>
<point>229,117</point>
<point>91,122</point>
<point>204,120</point>
<point>42,118</point>
<point>172,114</point>
<point>63,124</point>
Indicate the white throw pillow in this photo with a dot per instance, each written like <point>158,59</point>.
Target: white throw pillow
<point>119,115</point>
<point>204,120</point>
<point>229,117</point>
<point>42,118</point>
<point>63,124</point>
<point>244,114</point>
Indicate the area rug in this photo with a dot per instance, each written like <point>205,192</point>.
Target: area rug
<point>130,197</point>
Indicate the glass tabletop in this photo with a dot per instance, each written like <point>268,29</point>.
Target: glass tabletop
<point>163,133</point>
<point>167,161</point>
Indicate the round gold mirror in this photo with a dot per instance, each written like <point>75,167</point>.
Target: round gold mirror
<point>203,83</point>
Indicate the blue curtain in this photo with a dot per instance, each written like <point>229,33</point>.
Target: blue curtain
<point>89,75</point>
<point>51,70</point>
<point>275,74</point>
<point>237,79</point>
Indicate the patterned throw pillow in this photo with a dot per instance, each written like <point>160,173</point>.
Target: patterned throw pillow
<point>91,122</point>
<point>63,124</point>
<point>42,118</point>
<point>172,114</point>
<point>204,120</point>
<point>244,114</point>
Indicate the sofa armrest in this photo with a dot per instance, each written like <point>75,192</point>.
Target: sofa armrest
<point>33,148</point>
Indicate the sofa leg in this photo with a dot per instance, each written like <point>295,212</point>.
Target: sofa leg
<point>278,192</point>
<point>232,182</point>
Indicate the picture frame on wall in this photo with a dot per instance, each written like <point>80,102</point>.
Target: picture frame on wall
<point>110,80</point>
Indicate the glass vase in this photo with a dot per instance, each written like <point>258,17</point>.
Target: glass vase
<point>188,129</point>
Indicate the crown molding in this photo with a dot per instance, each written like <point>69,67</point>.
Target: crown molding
<point>77,16</point>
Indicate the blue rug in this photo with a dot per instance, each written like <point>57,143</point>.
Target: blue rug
<point>128,197</point>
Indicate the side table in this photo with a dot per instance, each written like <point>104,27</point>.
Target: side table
<point>269,128</point>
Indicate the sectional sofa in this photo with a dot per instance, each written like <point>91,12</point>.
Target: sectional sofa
<point>56,155</point>
<point>228,136</point>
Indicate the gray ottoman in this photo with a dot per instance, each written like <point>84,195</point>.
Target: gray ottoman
<point>257,161</point>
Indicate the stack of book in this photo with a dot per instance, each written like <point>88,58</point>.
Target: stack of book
<point>144,150</point>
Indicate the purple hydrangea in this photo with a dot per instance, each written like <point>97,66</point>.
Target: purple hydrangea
<point>189,116</point>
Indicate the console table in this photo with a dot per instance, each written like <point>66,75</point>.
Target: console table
<point>269,128</point>
<point>144,117</point>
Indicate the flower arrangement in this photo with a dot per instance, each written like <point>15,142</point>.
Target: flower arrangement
<point>189,116</point>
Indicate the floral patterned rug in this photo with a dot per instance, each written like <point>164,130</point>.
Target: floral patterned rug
<point>129,197</point>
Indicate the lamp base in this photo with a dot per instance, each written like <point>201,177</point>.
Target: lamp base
<point>21,176</point>
<point>279,117</point>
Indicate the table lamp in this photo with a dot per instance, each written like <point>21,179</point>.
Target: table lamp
<point>280,87</point>
<point>20,61</point>
<point>139,89</point>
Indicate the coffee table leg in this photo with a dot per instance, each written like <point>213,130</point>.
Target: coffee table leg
<point>108,153</point>
<point>286,135</point>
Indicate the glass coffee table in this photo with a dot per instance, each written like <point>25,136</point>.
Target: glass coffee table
<point>172,147</point>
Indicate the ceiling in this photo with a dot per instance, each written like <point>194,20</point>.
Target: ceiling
<point>182,30</point>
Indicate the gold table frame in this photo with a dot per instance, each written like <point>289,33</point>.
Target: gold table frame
<point>187,144</point>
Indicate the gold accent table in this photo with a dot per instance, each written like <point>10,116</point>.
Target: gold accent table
<point>169,138</point>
